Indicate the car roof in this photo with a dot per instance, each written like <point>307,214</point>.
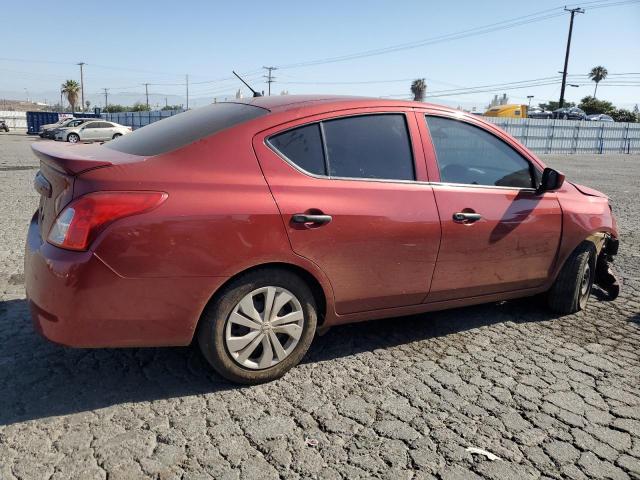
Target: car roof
<point>281,103</point>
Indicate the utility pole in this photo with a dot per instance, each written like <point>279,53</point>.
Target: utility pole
<point>187,84</point>
<point>146,92</point>
<point>573,12</point>
<point>166,103</point>
<point>106,93</point>
<point>82,85</point>
<point>270,78</point>
<point>61,106</point>
<point>529,97</point>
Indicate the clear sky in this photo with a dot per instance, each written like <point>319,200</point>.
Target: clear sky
<point>127,43</point>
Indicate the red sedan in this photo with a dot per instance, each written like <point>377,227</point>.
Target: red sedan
<point>252,224</point>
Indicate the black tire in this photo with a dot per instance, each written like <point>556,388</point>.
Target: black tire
<point>565,117</point>
<point>570,292</point>
<point>116,135</point>
<point>73,138</point>
<point>213,323</point>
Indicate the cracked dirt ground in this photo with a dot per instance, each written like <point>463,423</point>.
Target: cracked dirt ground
<point>553,397</point>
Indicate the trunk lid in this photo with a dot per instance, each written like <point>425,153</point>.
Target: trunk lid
<point>60,166</point>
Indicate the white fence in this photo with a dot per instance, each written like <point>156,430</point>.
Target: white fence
<point>570,136</point>
<point>14,120</point>
<point>139,119</point>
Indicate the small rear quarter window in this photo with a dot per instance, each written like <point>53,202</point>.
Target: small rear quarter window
<point>302,146</point>
<point>180,130</point>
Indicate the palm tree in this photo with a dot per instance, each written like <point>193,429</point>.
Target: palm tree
<point>597,74</point>
<point>71,89</point>
<point>419,88</point>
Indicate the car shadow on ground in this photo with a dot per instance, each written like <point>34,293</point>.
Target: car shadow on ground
<point>39,379</point>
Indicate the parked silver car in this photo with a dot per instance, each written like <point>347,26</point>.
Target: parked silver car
<point>599,117</point>
<point>50,132</point>
<point>98,131</point>
<point>52,126</point>
<point>537,112</point>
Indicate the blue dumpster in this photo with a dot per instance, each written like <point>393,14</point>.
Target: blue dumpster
<point>36,119</point>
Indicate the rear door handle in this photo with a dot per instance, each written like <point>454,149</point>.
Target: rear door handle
<point>463,217</point>
<point>305,218</point>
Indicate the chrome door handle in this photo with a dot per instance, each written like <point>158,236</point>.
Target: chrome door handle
<point>305,218</point>
<point>462,217</point>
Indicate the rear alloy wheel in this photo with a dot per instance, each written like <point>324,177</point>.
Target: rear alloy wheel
<point>116,135</point>
<point>571,290</point>
<point>259,326</point>
<point>73,138</point>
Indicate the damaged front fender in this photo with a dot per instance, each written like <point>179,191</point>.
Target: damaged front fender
<point>606,277</point>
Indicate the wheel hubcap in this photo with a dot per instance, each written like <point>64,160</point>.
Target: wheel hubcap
<point>264,327</point>
<point>586,280</point>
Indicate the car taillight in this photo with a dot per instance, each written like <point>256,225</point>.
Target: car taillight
<point>80,221</point>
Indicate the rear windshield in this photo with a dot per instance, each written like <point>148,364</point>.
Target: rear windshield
<point>174,132</point>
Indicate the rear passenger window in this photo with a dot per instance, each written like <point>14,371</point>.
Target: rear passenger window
<point>367,146</point>
<point>302,146</point>
<point>185,128</point>
<point>469,155</point>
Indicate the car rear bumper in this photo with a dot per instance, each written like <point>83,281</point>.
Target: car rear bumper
<point>76,300</point>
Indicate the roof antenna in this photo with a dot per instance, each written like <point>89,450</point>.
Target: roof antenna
<point>255,94</point>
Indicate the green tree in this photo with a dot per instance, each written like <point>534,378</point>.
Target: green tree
<point>140,107</point>
<point>623,115</point>
<point>592,105</point>
<point>419,89</point>
<point>553,105</point>
<point>597,74</point>
<point>114,108</point>
<point>172,107</point>
<point>71,90</point>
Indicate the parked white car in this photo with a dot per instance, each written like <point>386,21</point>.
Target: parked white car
<point>98,131</point>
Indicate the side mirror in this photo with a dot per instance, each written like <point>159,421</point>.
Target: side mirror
<point>551,180</point>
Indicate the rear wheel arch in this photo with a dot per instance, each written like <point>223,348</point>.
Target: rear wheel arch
<point>310,280</point>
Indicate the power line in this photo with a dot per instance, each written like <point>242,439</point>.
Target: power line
<point>106,94</point>
<point>146,92</point>
<point>82,84</point>
<point>573,12</point>
<point>490,88</point>
<point>421,43</point>
<point>269,76</point>
<point>503,25</point>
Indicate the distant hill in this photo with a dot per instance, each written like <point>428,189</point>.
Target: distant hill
<point>21,106</point>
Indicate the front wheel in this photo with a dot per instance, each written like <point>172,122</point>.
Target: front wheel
<point>571,290</point>
<point>116,135</point>
<point>73,138</point>
<point>565,117</point>
<point>259,326</point>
